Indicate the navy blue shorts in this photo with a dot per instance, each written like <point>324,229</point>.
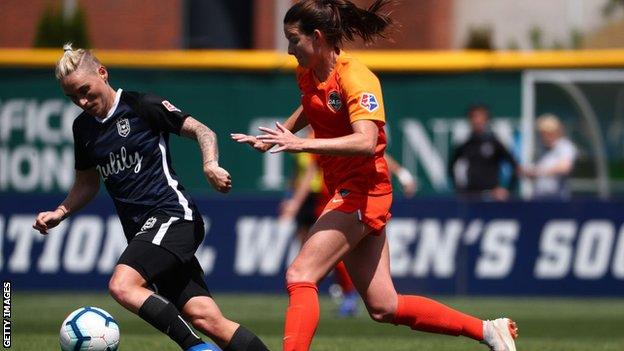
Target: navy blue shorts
<point>163,253</point>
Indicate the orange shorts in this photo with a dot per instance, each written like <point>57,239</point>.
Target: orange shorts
<point>372,210</point>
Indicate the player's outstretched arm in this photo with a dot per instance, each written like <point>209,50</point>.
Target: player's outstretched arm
<point>218,177</point>
<point>362,141</point>
<point>86,186</point>
<point>294,123</point>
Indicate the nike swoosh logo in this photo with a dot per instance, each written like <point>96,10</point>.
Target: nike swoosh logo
<point>337,201</point>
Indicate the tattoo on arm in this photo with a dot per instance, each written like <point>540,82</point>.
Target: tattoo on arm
<point>205,137</point>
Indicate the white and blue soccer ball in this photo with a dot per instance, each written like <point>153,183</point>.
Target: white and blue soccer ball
<point>89,329</point>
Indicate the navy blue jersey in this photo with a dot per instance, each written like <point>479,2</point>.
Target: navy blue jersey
<point>130,150</point>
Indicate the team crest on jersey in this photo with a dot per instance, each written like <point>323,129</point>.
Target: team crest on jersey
<point>149,224</point>
<point>334,102</point>
<point>123,127</point>
<point>369,102</point>
<point>169,106</point>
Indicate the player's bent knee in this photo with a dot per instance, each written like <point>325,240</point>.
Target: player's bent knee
<point>119,289</point>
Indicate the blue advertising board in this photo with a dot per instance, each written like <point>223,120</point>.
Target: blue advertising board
<point>437,246</point>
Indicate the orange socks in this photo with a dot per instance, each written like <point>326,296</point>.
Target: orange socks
<point>302,316</point>
<point>343,279</point>
<point>420,313</point>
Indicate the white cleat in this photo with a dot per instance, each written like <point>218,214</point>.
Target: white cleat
<point>499,334</point>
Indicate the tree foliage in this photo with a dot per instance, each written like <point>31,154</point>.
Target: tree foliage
<point>611,6</point>
<point>53,30</point>
<point>479,38</point>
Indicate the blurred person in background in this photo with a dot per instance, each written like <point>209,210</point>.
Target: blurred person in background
<point>408,182</point>
<point>307,194</point>
<point>476,164</point>
<point>550,174</point>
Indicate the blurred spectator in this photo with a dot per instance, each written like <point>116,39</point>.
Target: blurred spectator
<point>476,164</point>
<point>307,196</point>
<point>405,178</point>
<point>551,172</point>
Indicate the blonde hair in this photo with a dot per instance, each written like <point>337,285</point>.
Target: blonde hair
<point>72,60</point>
<point>549,123</point>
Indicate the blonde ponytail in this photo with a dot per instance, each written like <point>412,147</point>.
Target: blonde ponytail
<point>72,60</point>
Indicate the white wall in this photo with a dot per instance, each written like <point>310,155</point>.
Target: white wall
<point>512,20</point>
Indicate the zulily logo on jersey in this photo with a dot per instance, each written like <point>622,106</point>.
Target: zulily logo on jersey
<point>119,162</point>
<point>369,102</point>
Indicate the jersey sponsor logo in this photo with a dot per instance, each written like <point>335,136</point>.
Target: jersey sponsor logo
<point>118,162</point>
<point>334,102</point>
<point>170,107</point>
<point>369,102</point>
<point>149,224</point>
<point>123,127</point>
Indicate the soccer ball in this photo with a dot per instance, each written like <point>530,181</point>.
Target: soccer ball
<point>89,329</point>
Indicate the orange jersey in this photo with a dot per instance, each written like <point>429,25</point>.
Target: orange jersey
<point>351,93</point>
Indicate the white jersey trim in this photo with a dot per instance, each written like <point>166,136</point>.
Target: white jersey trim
<point>163,230</point>
<point>188,214</point>
<point>112,109</point>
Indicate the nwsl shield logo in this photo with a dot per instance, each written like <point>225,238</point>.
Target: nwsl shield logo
<point>334,102</point>
<point>123,127</point>
<point>369,102</point>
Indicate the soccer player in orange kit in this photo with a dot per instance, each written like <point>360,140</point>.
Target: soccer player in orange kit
<point>342,101</point>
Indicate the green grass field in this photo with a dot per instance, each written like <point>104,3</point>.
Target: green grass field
<point>545,324</point>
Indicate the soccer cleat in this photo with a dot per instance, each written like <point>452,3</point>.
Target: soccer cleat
<point>204,346</point>
<point>499,334</point>
<point>335,292</point>
<point>349,305</point>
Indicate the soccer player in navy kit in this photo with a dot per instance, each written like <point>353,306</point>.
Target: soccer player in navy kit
<point>122,138</point>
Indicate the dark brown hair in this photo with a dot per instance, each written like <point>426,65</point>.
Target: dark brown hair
<point>478,107</point>
<point>340,20</point>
